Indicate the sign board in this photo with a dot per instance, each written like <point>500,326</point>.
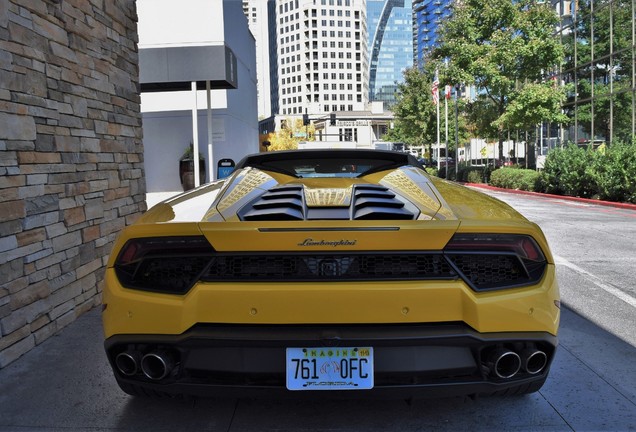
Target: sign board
<point>224,168</point>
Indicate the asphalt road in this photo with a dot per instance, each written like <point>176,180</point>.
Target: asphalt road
<point>65,384</point>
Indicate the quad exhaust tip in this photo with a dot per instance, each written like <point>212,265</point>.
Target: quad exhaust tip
<point>157,365</point>
<point>534,361</point>
<point>127,363</point>
<point>505,363</point>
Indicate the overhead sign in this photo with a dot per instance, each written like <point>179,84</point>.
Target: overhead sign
<point>352,123</point>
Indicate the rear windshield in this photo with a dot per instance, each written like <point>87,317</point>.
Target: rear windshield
<point>320,163</point>
<point>329,167</point>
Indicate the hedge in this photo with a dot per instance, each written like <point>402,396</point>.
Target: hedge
<point>467,173</point>
<point>515,178</point>
<point>608,173</point>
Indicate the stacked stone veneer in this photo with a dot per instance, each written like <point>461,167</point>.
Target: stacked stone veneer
<point>71,167</point>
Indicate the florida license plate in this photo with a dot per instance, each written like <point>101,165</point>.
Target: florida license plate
<point>330,368</point>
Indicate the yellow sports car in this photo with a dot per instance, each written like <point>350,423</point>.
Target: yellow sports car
<point>339,272</point>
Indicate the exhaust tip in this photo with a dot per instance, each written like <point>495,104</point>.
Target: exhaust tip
<point>156,365</point>
<point>127,363</point>
<point>534,361</point>
<point>504,363</point>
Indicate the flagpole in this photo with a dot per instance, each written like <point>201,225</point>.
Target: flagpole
<point>446,127</point>
<point>436,102</point>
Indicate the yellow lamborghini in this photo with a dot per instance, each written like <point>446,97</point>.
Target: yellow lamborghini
<point>339,272</point>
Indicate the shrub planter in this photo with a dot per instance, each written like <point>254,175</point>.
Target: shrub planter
<point>186,173</point>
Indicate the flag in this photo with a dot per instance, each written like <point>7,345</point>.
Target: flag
<point>435,88</point>
<point>448,92</point>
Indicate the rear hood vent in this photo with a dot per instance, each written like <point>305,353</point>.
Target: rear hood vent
<point>357,202</point>
<point>378,203</point>
<point>277,204</point>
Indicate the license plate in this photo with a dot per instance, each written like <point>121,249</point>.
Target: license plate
<point>330,368</point>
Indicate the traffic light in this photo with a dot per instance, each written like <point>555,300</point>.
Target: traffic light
<point>332,119</point>
<point>305,119</point>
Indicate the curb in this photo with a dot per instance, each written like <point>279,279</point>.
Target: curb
<point>627,206</point>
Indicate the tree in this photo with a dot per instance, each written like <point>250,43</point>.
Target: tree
<point>290,134</point>
<point>414,110</point>
<point>507,49</point>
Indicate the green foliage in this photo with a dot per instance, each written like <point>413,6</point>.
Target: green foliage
<point>432,171</point>
<point>467,173</point>
<point>188,154</point>
<point>414,110</point>
<point>614,171</point>
<point>533,103</point>
<point>483,113</point>
<point>566,172</point>
<point>515,178</point>
<point>505,48</point>
<point>475,176</point>
<point>608,173</point>
<point>415,113</point>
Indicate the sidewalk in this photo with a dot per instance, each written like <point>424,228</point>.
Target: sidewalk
<point>627,206</point>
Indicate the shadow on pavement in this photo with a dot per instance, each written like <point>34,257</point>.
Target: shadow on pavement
<point>66,384</point>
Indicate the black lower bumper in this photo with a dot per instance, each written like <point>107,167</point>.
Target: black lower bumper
<point>409,360</point>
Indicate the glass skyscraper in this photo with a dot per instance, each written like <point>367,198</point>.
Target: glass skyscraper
<point>427,17</point>
<point>390,27</point>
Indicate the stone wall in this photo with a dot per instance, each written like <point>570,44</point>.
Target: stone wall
<point>71,158</point>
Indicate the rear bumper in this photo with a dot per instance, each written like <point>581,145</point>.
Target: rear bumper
<point>410,360</point>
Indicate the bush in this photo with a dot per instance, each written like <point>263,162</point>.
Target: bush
<point>515,178</point>
<point>614,171</point>
<point>607,173</point>
<point>432,171</point>
<point>567,171</point>
<point>475,176</point>
<point>466,173</point>
<point>471,174</point>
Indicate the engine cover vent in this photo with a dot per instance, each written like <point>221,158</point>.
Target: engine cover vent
<point>358,202</point>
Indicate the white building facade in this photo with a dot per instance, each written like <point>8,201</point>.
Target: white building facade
<point>185,48</point>
<point>260,14</point>
<point>353,129</point>
<point>322,56</point>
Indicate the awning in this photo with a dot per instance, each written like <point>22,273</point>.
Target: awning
<point>176,68</point>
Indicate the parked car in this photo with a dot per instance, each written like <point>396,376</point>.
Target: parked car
<point>344,271</point>
<point>429,163</point>
<point>447,161</point>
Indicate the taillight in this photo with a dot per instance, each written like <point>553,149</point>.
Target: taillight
<point>522,245</point>
<point>163,264</point>
<point>496,261</point>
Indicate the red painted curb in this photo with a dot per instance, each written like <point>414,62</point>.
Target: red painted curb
<point>627,206</point>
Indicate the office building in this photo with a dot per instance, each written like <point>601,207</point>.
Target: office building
<point>322,56</point>
<point>427,17</point>
<point>261,19</point>
<point>599,68</point>
<point>390,46</point>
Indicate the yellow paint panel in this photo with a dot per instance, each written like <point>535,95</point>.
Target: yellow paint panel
<point>527,309</point>
<point>290,236</point>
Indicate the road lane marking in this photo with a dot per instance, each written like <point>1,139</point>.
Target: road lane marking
<point>597,281</point>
